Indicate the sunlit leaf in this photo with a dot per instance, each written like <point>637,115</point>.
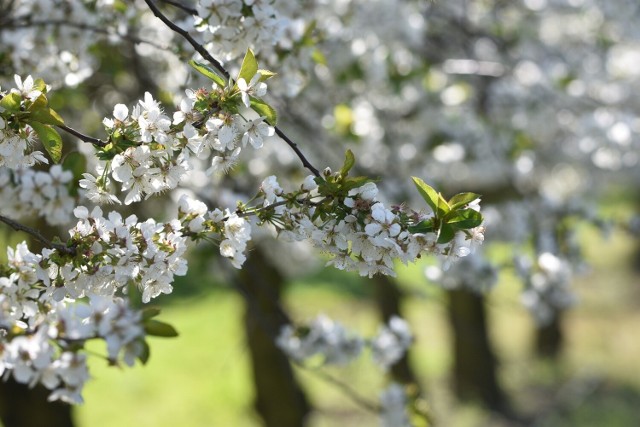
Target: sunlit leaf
<point>462,199</point>
<point>464,218</point>
<point>249,66</point>
<point>266,75</point>
<point>208,72</point>
<point>434,199</point>
<point>349,161</point>
<point>11,102</point>
<point>47,116</point>
<point>447,233</point>
<point>50,139</point>
<point>265,110</point>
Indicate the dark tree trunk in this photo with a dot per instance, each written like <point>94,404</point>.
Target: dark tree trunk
<point>388,298</point>
<point>549,338</point>
<point>21,406</point>
<point>474,362</point>
<point>279,399</point>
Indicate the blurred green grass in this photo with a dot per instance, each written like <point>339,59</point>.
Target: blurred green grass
<point>202,378</point>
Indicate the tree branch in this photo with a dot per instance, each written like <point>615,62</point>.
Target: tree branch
<point>37,235</point>
<point>83,137</point>
<point>203,52</point>
<point>185,34</point>
<point>299,153</point>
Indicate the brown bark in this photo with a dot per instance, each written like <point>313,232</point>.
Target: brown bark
<point>279,399</point>
<point>21,406</point>
<point>474,361</point>
<point>549,338</point>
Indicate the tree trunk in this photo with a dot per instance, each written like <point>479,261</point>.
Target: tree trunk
<point>549,338</point>
<point>388,297</point>
<point>21,406</point>
<point>279,400</point>
<point>474,362</point>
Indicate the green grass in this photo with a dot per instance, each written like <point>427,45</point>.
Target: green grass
<point>198,379</point>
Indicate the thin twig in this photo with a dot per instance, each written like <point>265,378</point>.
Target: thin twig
<point>26,23</point>
<point>85,138</point>
<point>37,235</point>
<point>203,52</point>
<point>295,148</point>
<point>344,387</point>
<point>197,46</point>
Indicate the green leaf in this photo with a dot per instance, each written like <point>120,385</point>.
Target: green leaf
<point>11,102</point>
<point>40,85</point>
<point>318,57</point>
<point>265,110</point>
<point>38,104</point>
<point>265,75</point>
<point>327,188</point>
<point>208,73</point>
<point>462,199</point>
<point>434,199</point>
<point>447,233</point>
<point>249,66</point>
<point>47,116</point>
<point>355,182</point>
<point>423,227</point>
<point>50,139</point>
<point>349,161</point>
<point>144,355</point>
<point>134,294</point>
<point>307,37</point>
<point>157,328</point>
<point>150,312</point>
<point>464,219</point>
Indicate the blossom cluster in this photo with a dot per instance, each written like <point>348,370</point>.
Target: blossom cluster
<point>150,153</point>
<point>117,251</point>
<point>393,402</point>
<point>64,297</point>
<point>328,340</point>
<point>473,273</point>
<point>233,26</point>
<point>76,26</point>
<point>17,138</point>
<point>359,231</point>
<point>547,285</point>
<point>26,193</point>
<point>43,330</point>
<point>234,231</point>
